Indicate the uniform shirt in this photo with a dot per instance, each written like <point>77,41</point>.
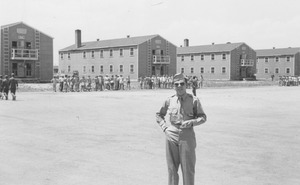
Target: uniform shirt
<point>181,109</point>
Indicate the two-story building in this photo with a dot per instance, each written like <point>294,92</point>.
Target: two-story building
<point>130,56</point>
<point>26,52</point>
<point>278,62</point>
<point>230,61</point>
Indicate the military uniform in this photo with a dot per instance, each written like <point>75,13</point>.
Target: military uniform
<point>13,85</point>
<point>184,113</point>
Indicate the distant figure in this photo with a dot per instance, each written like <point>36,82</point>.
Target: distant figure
<point>128,82</point>
<point>54,83</point>
<point>201,81</point>
<point>13,85</point>
<point>194,85</point>
<point>5,87</point>
<point>272,77</point>
<point>1,80</point>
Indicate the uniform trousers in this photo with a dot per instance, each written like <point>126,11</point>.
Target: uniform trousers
<point>180,150</point>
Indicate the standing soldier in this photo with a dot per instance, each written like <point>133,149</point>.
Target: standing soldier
<point>194,83</point>
<point>1,80</point>
<point>13,85</point>
<point>185,113</point>
<point>128,82</point>
<point>5,87</point>
<point>54,83</point>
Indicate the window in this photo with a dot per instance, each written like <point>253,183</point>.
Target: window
<point>28,45</point>
<point>266,59</point>
<point>223,70</point>
<point>266,70</point>
<point>131,69</point>
<point>121,52</point>
<point>69,69</point>
<point>111,68</point>
<point>101,53</point>
<point>93,54</point>
<point>84,69</point>
<point>101,69</point>
<point>192,70</point>
<point>192,57</point>
<point>224,56</point>
<point>84,54</point>
<point>212,70</point>
<point>131,51</point>
<point>14,44</point>
<point>61,56</point>
<point>288,70</point>
<point>202,57</point>
<point>121,68</point>
<point>182,70</point>
<point>276,70</point>
<point>110,52</point>
<point>93,69</point>
<point>288,59</point>
<point>182,58</point>
<point>202,70</point>
<point>69,55</point>
<point>276,59</point>
<point>212,56</point>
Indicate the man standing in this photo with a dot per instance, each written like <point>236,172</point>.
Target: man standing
<point>5,87</point>
<point>194,85</point>
<point>185,113</point>
<point>1,80</point>
<point>13,85</point>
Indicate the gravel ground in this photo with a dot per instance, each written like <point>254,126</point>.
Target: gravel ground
<point>252,137</point>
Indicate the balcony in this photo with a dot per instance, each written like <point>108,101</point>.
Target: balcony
<point>24,54</point>
<point>247,62</point>
<point>161,59</point>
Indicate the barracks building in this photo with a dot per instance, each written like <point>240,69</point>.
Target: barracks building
<point>278,62</point>
<point>26,52</point>
<point>230,61</point>
<point>130,56</point>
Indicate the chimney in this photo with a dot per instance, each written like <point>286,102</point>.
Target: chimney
<point>186,43</point>
<point>78,38</point>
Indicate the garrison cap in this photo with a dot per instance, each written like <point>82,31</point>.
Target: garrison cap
<point>179,77</point>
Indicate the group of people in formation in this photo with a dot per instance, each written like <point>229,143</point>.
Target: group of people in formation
<point>8,85</point>
<point>73,83</point>
<point>167,82</point>
<point>289,80</point>
<point>65,83</point>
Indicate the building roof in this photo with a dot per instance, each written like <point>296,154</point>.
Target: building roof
<point>13,24</point>
<point>121,42</point>
<point>277,52</point>
<point>208,48</point>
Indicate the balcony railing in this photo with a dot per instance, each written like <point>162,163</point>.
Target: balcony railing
<point>24,54</point>
<point>247,62</point>
<point>161,59</point>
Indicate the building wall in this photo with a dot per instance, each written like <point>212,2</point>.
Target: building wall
<point>241,52</point>
<point>46,58</point>
<point>266,69</point>
<point>143,58</point>
<point>42,68</point>
<point>77,62</point>
<point>297,64</point>
<point>205,61</point>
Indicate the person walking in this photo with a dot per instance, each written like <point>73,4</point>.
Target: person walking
<point>13,85</point>
<point>185,112</point>
<point>5,87</point>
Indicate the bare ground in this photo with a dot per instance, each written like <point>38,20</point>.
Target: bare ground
<point>252,137</point>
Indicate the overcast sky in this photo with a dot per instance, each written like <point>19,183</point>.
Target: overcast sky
<point>259,23</point>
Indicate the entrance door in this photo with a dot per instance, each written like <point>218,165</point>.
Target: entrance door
<point>28,67</point>
<point>15,68</point>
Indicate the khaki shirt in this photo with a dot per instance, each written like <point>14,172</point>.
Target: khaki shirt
<point>179,110</point>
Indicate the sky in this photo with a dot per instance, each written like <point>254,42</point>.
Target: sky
<point>261,24</point>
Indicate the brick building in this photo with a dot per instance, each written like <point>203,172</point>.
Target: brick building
<point>129,56</point>
<point>230,61</point>
<point>278,62</point>
<point>26,52</point>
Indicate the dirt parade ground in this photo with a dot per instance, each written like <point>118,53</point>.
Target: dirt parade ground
<point>251,137</point>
